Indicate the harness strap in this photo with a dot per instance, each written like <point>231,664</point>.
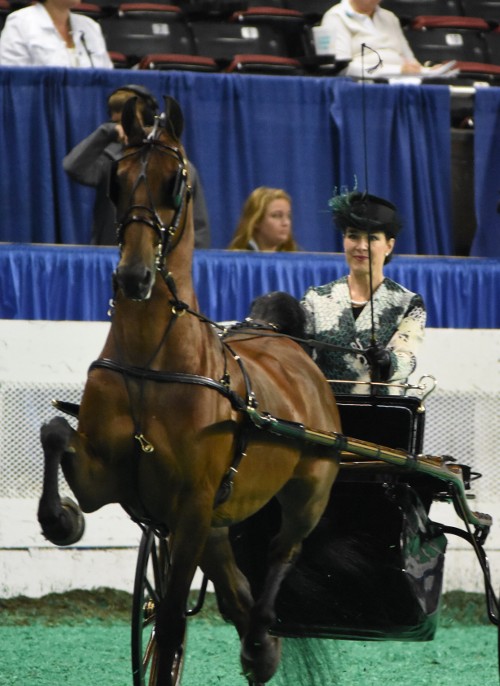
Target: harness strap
<point>237,402</point>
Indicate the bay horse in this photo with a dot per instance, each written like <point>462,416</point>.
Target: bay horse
<point>162,428</point>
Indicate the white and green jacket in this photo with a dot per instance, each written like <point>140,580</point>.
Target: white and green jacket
<point>399,321</point>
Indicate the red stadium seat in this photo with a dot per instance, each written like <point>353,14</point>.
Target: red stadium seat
<point>140,32</point>
<point>312,9</point>
<point>492,40</point>
<point>289,24</point>
<point>222,40</point>
<point>119,59</point>
<point>440,38</point>
<point>476,71</point>
<point>166,62</point>
<point>150,10</point>
<point>406,10</point>
<point>89,10</point>
<point>265,64</point>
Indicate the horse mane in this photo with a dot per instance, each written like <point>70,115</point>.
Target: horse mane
<point>280,311</point>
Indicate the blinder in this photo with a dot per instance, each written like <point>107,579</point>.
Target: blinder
<point>113,187</point>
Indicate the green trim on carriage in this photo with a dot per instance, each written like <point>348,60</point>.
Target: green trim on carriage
<point>429,465</point>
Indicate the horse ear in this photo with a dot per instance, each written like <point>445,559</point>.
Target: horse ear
<point>131,123</point>
<point>174,116</point>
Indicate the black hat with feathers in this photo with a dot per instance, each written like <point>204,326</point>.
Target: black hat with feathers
<point>365,212</point>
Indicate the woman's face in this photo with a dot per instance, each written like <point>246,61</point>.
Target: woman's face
<point>356,251</point>
<point>275,227</point>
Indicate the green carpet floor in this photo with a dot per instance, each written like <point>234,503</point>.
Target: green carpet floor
<point>83,640</point>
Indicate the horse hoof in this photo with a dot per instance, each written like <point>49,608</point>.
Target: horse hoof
<point>260,660</point>
<point>68,527</point>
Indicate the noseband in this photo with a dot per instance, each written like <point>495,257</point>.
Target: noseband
<point>178,198</point>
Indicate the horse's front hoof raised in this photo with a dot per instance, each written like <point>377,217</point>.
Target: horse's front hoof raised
<point>260,660</point>
<point>67,527</point>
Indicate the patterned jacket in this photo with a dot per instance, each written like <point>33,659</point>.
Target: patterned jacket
<point>399,319</point>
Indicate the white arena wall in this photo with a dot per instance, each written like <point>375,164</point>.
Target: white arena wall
<point>44,360</point>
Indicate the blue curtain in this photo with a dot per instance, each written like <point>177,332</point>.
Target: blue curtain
<point>487,172</point>
<point>254,131</point>
<point>302,134</point>
<point>74,283</point>
<point>239,132</point>
<point>407,156</point>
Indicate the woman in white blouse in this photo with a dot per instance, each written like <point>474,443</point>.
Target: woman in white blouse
<point>48,34</point>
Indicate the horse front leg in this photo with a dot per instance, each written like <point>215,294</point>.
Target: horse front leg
<point>61,520</point>
<point>188,541</point>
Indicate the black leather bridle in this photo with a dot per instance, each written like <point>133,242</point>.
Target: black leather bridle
<point>177,198</point>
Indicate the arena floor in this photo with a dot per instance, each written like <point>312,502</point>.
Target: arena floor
<point>63,639</point>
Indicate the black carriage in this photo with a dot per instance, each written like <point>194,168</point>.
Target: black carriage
<point>373,567</point>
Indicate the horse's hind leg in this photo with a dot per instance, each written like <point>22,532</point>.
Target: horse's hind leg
<point>61,519</point>
<point>302,501</point>
<point>261,652</point>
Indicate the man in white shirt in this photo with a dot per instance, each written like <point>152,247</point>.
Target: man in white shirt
<point>355,23</point>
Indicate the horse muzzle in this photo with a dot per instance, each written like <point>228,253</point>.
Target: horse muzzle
<point>135,282</point>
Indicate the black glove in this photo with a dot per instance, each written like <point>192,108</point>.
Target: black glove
<point>379,359</point>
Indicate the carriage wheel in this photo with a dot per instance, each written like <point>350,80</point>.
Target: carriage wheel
<point>153,563</point>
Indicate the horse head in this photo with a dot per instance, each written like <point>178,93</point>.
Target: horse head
<point>150,188</point>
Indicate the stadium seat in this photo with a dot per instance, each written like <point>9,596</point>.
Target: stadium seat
<point>212,9</point>
<point>158,12</point>
<point>265,64</point>
<point>440,38</point>
<point>312,9</point>
<point>137,33</point>
<point>167,62</point>
<point>120,61</point>
<point>492,40</point>
<point>263,14</point>
<point>408,9</point>
<point>477,71</point>
<point>93,11</point>
<point>275,4</point>
<point>486,9</point>
<point>222,40</point>
<point>288,23</point>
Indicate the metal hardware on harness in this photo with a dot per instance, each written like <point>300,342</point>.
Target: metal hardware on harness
<point>146,446</point>
<point>178,311</point>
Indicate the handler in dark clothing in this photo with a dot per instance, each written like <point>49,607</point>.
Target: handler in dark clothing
<point>91,162</point>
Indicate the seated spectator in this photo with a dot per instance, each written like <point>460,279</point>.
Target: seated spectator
<point>91,161</point>
<point>355,23</point>
<point>266,222</point>
<point>48,34</point>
